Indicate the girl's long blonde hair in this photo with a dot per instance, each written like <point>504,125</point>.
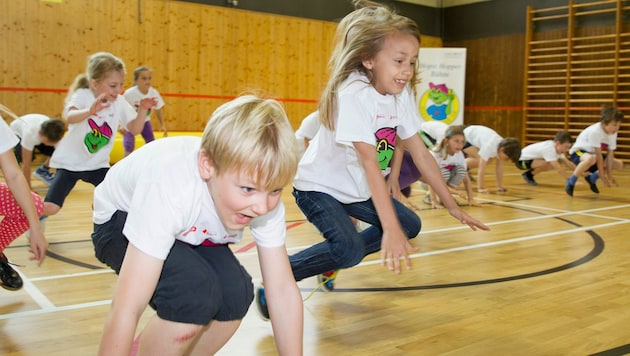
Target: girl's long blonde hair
<point>360,36</point>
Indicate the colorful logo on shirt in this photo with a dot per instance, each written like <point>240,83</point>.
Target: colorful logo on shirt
<point>439,103</point>
<point>137,106</point>
<point>99,137</point>
<point>385,144</point>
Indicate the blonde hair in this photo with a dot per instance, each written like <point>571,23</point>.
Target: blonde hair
<point>254,137</point>
<point>98,65</point>
<point>6,111</point>
<point>451,131</point>
<point>360,36</point>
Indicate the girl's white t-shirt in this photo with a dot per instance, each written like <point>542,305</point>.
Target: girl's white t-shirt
<point>27,128</point>
<point>485,139</point>
<point>160,188</point>
<point>133,96</point>
<point>8,140</point>
<point>330,163</point>
<point>87,144</point>
<point>593,137</point>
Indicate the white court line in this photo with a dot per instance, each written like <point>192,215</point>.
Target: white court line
<point>54,309</point>
<point>503,242</point>
<point>48,307</point>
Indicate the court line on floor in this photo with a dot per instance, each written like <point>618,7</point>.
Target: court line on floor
<point>48,307</point>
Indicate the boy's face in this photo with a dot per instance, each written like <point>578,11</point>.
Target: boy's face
<point>611,127</point>
<point>562,147</point>
<point>236,198</point>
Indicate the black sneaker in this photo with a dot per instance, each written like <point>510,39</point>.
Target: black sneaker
<point>529,178</point>
<point>11,280</point>
<point>568,187</point>
<point>261,303</point>
<point>591,185</point>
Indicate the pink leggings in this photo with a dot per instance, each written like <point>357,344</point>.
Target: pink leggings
<point>14,222</point>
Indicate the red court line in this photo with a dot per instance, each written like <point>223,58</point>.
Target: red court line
<point>172,95</point>
<point>252,244</point>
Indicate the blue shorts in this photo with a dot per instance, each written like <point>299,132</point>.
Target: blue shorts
<point>575,158</point>
<point>524,164</point>
<point>198,284</point>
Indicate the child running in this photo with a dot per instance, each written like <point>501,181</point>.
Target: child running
<point>94,111</point>
<point>367,102</point>
<point>142,89</point>
<point>19,208</point>
<point>164,218</point>
<point>587,152</point>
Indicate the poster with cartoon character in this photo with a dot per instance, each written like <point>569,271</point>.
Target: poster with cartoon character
<point>440,92</point>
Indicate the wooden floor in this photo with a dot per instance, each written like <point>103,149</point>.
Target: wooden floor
<point>552,277</point>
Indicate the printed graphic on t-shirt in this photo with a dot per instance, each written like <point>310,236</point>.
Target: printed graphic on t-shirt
<point>137,106</point>
<point>385,145</point>
<point>98,137</point>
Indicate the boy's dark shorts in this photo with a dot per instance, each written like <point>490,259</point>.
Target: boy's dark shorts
<point>198,284</point>
<point>575,158</point>
<point>524,165</point>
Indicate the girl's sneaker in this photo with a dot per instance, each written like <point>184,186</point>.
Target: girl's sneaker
<point>327,280</point>
<point>44,175</point>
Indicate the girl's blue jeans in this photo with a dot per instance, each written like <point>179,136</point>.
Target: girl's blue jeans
<point>343,245</point>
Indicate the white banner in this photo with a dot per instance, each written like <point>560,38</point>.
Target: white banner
<point>440,92</point>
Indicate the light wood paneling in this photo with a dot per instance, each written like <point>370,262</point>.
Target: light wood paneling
<point>201,55</point>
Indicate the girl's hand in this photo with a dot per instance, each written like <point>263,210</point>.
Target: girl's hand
<point>605,181</point>
<point>483,190</point>
<point>38,245</point>
<point>472,202</point>
<point>501,190</point>
<point>147,103</point>
<point>395,247</point>
<point>458,214</point>
<point>99,104</point>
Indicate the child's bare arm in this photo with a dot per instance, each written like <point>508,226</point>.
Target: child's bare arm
<point>283,298</point>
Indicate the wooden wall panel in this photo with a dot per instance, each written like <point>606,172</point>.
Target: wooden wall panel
<point>201,55</point>
<point>494,83</point>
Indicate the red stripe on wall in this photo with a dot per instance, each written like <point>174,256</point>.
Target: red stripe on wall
<point>172,95</point>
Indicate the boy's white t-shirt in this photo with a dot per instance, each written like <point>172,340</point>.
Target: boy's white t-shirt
<point>8,140</point>
<point>541,150</point>
<point>160,188</point>
<point>593,137</point>
<point>485,139</point>
<point>330,163</point>
<point>27,128</point>
<point>133,95</point>
<point>87,144</point>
